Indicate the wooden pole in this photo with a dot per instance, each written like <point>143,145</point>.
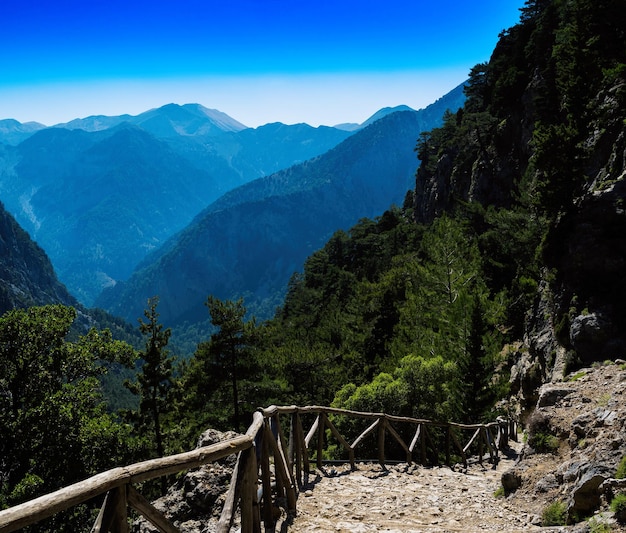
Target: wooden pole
<point>284,452</point>
<point>381,441</point>
<point>147,510</point>
<point>423,444</point>
<point>228,511</point>
<point>268,515</point>
<point>250,518</point>
<point>415,438</point>
<point>303,449</point>
<point>370,428</point>
<point>120,516</point>
<point>311,433</point>
<point>282,473</point>
<point>320,439</point>
<point>292,454</point>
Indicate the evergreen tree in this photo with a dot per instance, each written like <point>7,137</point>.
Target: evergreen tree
<point>154,380</point>
<point>227,355</point>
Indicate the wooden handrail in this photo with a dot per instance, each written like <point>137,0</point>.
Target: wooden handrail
<point>45,506</point>
<point>251,484</point>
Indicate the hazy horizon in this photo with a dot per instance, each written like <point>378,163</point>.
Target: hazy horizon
<point>322,63</point>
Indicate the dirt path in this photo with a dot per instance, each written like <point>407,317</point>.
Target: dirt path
<point>408,499</point>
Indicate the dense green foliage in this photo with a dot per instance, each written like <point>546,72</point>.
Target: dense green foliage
<point>54,427</point>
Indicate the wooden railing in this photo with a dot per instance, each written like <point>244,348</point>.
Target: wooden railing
<point>256,489</point>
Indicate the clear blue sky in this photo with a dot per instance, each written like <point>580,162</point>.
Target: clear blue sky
<point>321,62</point>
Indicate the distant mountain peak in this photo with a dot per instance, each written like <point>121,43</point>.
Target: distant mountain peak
<point>384,112</point>
<point>165,121</point>
<point>172,119</point>
<point>353,126</point>
<point>14,132</point>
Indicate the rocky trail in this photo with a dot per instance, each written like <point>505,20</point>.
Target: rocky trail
<point>587,415</point>
<point>403,498</point>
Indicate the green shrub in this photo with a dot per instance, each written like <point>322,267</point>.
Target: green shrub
<point>499,493</point>
<point>618,506</point>
<point>620,473</point>
<point>554,514</point>
<point>544,443</point>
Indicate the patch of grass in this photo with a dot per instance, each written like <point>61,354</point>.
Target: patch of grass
<point>618,506</point>
<point>499,493</point>
<point>597,526</point>
<point>620,473</point>
<point>554,514</point>
<point>577,376</point>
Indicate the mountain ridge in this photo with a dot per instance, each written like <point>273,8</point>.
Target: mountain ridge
<point>360,177</point>
<point>100,235</point>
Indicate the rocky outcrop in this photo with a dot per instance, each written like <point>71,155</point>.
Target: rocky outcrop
<point>584,420</point>
<point>194,503</point>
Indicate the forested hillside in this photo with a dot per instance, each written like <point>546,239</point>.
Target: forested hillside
<point>501,269</point>
<point>26,274</point>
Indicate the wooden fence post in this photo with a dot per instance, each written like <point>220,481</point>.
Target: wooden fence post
<point>382,427</point>
<point>304,451</point>
<point>424,431</point>
<point>268,515</point>
<point>320,439</point>
<point>113,515</point>
<point>250,517</point>
<point>448,442</point>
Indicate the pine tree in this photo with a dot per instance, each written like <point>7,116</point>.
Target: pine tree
<point>154,380</point>
<point>227,354</point>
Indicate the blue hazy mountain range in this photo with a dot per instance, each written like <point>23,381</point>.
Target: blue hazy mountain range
<point>249,242</point>
<point>105,196</point>
<point>98,199</point>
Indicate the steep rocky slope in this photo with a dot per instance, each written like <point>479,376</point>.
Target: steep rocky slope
<point>574,442</point>
<point>26,274</point>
